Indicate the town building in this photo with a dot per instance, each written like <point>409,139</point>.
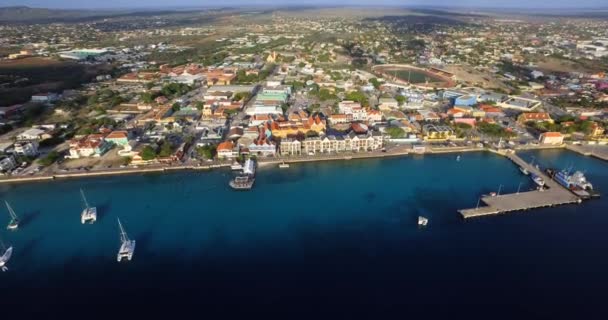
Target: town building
<point>119,138</point>
<point>93,145</point>
<point>226,150</point>
<point>26,148</point>
<point>551,138</point>
<point>536,117</point>
<point>7,163</point>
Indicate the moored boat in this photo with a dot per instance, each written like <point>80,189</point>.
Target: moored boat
<point>577,182</point>
<point>127,246</point>
<point>6,255</point>
<point>14,223</point>
<point>524,170</point>
<point>422,221</point>
<point>283,165</point>
<point>243,182</point>
<point>88,214</point>
<point>538,180</point>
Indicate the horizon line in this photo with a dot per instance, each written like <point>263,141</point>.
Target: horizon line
<point>252,6</point>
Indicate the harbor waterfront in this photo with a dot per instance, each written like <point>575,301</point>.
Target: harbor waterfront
<point>336,233</point>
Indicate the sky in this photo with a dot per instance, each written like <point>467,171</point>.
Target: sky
<point>89,4</point>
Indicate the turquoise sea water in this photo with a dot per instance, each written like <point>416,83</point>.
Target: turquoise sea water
<point>328,235</point>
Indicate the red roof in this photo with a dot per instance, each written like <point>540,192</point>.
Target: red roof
<point>226,145</point>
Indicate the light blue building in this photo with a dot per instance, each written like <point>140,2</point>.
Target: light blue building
<point>466,100</point>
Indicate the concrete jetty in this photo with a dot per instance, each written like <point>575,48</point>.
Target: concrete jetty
<point>554,195</point>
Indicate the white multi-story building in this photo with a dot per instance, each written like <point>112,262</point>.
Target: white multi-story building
<point>26,148</point>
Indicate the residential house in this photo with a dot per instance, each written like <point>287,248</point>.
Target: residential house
<point>436,132</point>
<point>33,134</point>
<point>537,117</point>
<point>93,145</point>
<point>263,147</point>
<point>338,118</point>
<point>119,138</point>
<point>388,103</point>
<point>374,116</point>
<point>225,150</point>
<point>551,138</point>
<point>289,146</point>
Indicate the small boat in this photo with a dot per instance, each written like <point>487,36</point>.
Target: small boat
<point>127,246</point>
<point>458,158</point>
<point>88,214</point>
<point>283,165</point>
<point>538,180</point>
<point>422,221</point>
<point>6,255</point>
<point>244,182</point>
<point>236,166</point>
<point>14,223</point>
<point>524,170</point>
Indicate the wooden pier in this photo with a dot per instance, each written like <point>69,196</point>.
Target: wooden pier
<point>553,195</point>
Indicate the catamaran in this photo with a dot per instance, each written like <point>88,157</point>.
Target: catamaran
<point>14,223</point>
<point>5,257</point>
<point>88,214</point>
<point>127,246</point>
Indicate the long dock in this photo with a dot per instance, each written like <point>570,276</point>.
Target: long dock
<point>554,195</point>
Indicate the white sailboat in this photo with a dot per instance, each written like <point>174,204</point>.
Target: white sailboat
<point>14,223</point>
<point>88,214</point>
<point>284,165</point>
<point>6,255</point>
<point>422,221</point>
<point>127,246</point>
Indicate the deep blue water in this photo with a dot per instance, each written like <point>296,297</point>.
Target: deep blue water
<point>335,239</point>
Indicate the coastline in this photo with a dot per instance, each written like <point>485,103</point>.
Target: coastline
<point>269,162</point>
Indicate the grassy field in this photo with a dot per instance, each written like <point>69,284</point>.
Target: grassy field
<point>42,75</point>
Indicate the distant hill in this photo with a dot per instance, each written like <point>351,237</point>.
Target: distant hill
<point>27,14</point>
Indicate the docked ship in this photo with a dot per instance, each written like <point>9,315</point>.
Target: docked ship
<point>576,182</point>
<point>524,170</point>
<point>245,180</point>
<point>538,180</point>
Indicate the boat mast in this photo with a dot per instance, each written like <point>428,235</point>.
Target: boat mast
<point>84,199</point>
<point>123,234</point>
<point>10,211</point>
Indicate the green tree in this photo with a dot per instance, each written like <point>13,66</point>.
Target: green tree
<point>400,99</point>
<point>357,96</point>
<point>207,152</point>
<point>395,132</point>
<point>166,149</point>
<point>50,158</point>
<point>375,82</point>
<point>148,153</point>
